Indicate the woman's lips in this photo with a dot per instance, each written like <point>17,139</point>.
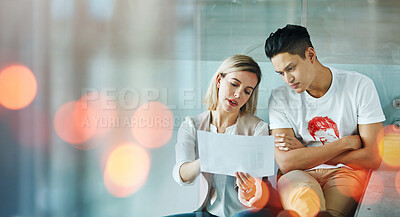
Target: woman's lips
<point>232,102</point>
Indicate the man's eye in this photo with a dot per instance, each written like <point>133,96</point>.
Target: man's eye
<point>281,73</point>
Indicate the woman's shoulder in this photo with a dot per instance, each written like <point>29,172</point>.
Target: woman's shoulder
<point>249,117</point>
<point>187,122</point>
<point>194,121</point>
<point>254,123</point>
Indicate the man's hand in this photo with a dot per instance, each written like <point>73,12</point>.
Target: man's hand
<point>286,142</point>
<point>246,184</point>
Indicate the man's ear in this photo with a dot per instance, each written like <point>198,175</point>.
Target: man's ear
<point>311,54</point>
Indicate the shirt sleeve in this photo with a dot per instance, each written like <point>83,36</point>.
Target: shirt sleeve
<point>184,148</point>
<point>276,109</point>
<point>369,108</point>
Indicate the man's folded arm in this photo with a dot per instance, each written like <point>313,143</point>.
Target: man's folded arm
<point>368,156</point>
<point>308,157</point>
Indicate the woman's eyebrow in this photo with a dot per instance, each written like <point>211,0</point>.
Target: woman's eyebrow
<point>241,82</point>
<point>236,80</point>
<point>252,88</point>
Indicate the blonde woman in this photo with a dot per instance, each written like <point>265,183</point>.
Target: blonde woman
<point>231,102</point>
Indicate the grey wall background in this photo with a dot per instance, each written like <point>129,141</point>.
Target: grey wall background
<point>167,51</point>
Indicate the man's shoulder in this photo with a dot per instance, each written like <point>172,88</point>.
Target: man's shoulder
<point>350,76</point>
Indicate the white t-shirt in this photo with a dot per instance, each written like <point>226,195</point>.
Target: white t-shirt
<point>352,99</point>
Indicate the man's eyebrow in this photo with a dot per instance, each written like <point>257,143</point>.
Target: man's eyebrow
<point>286,68</point>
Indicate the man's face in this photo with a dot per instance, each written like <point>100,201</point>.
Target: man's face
<point>298,73</point>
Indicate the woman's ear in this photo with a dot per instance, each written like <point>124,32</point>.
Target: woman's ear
<point>218,80</point>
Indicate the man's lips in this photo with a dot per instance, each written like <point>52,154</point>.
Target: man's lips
<point>232,102</point>
<point>294,86</point>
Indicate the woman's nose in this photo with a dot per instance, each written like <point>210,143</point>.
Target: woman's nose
<point>236,94</point>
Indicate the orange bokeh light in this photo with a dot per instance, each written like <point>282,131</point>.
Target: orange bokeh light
<point>397,182</point>
<point>378,189</point>
<point>265,197</point>
<point>72,125</point>
<point>152,124</point>
<point>104,112</point>
<point>18,87</point>
<point>91,116</point>
<point>389,148</point>
<point>127,168</point>
<point>309,197</point>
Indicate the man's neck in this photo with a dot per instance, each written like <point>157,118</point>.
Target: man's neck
<point>322,81</point>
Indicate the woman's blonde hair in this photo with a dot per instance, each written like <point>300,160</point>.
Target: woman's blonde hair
<point>234,64</point>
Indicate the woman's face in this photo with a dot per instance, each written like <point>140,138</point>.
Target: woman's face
<point>235,89</point>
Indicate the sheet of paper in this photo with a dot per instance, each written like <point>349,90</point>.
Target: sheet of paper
<point>227,154</point>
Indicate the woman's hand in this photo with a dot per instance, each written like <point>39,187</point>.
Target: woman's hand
<point>246,184</point>
<point>286,143</point>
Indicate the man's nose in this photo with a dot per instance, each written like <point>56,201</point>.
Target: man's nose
<point>289,78</point>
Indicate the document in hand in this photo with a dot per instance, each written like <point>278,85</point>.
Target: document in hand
<point>226,154</point>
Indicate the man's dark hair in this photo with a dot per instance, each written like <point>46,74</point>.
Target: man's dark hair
<point>292,39</point>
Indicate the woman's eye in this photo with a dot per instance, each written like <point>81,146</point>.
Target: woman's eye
<point>247,92</point>
<point>233,84</point>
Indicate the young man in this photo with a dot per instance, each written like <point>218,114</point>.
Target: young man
<point>327,124</point>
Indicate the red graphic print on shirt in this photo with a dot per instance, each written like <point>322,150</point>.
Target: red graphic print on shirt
<point>323,129</point>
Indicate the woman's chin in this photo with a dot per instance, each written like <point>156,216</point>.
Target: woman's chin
<point>231,109</point>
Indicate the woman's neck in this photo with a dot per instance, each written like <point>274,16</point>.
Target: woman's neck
<point>223,120</point>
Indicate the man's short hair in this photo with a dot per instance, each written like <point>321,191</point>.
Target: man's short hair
<point>292,39</point>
